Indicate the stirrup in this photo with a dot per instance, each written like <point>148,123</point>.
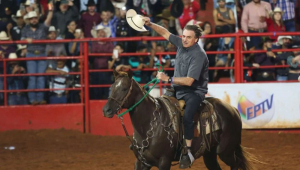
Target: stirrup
<point>183,164</point>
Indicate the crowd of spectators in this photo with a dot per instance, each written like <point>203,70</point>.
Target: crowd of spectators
<point>78,19</point>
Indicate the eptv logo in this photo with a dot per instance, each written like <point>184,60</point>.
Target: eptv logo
<point>256,108</point>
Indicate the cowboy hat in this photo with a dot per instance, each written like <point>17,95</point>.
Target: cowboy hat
<point>166,14</point>
<point>279,39</point>
<point>21,47</point>
<point>193,22</point>
<point>3,36</point>
<point>91,3</point>
<point>27,3</point>
<point>177,8</point>
<point>18,14</point>
<point>101,27</point>
<point>119,5</point>
<point>135,21</point>
<point>51,29</point>
<point>12,56</point>
<point>278,9</point>
<point>31,14</point>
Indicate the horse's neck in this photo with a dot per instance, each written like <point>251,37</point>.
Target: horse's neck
<point>142,114</point>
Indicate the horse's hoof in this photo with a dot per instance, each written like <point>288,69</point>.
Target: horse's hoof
<point>131,147</point>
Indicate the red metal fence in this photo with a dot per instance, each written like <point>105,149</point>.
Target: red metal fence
<point>80,116</point>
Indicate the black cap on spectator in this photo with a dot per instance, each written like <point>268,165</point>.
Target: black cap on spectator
<point>91,3</point>
<point>177,8</point>
<point>106,5</point>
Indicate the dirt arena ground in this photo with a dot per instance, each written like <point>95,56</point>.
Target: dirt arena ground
<point>72,150</point>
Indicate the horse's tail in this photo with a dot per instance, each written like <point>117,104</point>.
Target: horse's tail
<point>245,159</point>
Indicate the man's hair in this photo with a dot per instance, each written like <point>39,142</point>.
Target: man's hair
<point>197,30</point>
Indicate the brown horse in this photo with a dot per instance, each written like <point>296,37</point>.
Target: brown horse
<point>154,141</point>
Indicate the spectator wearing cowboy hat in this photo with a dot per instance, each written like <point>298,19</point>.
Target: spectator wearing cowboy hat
<point>21,53</point>
<point>89,19</point>
<point>16,31</point>
<point>101,62</point>
<point>36,31</point>
<point>5,50</point>
<point>16,82</point>
<point>281,57</point>
<point>294,61</point>
<point>275,22</point>
<point>67,12</point>
<point>109,22</point>
<point>84,4</point>
<point>164,19</point>
<point>288,17</point>
<point>265,59</point>
<point>54,49</point>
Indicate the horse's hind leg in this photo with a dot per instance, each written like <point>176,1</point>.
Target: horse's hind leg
<point>210,160</point>
<point>140,166</point>
<point>229,159</point>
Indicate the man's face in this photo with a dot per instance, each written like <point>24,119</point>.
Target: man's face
<point>52,35</point>
<point>188,38</point>
<point>286,41</point>
<point>91,8</point>
<point>20,21</point>
<point>160,49</point>
<point>105,16</point>
<point>63,7</point>
<point>33,20</point>
<point>221,4</point>
<point>101,34</point>
<point>72,26</point>
<point>256,1</point>
<point>186,2</point>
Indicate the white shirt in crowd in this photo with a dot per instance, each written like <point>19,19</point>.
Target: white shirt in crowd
<point>59,81</point>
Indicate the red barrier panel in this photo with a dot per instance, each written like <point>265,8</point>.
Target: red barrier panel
<point>87,116</point>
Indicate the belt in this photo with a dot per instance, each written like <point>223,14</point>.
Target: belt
<point>266,74</point>
<point>37,52</point>
<point>57,94</point>
<point>257,29</point>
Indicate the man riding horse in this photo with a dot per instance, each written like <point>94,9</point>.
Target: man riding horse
<point>190,77</point>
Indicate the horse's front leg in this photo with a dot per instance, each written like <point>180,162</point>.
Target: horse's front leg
<point>140,166</point>
<point>164,164</point>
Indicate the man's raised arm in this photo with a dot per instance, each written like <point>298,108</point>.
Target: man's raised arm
<point>159,29</point>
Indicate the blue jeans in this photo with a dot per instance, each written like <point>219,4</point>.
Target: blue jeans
<point>255,41</point>
<point>282,78</point>
<point>55,99</point>
<point>290,25</point>
<point>36,82</point>
<point>17,99</point>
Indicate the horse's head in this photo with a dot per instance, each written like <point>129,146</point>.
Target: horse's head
<point>120,91</point>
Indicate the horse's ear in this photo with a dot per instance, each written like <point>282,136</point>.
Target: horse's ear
<point>130,73</point>
<point>116,74</point>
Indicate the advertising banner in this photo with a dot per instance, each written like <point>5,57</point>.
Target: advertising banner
<point>262,105</point>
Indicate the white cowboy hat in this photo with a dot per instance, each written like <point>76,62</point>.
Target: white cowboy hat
<point>25,17</point>
<point>279,39</point>
<point>14,17</point>
<point>119,4</point>
<point>21,47</point>
<point>100,27</point>
<point>193,22</point>
<point>135,21</point>
<point>27,3</point>
<point>277,9</point>
<point>3,36</point>
<point>51,28</point>
<point>31,14</point>
<point>12,56</point>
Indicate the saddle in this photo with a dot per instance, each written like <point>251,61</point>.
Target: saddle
<point>176,111</point>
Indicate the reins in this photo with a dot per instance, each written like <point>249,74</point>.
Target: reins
<point>160,69</point>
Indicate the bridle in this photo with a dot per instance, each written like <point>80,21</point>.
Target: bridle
<point>125,98</point>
